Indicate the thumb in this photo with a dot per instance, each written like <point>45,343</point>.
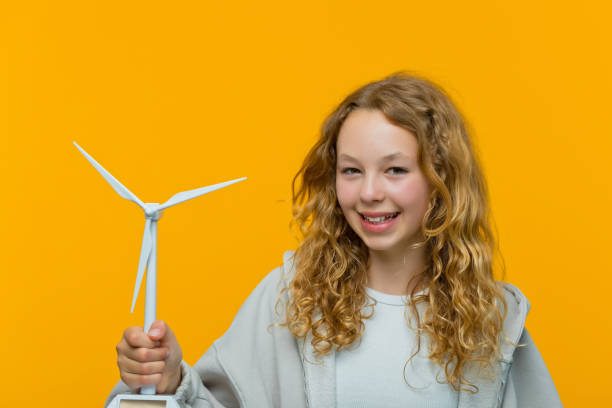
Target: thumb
<point>158,330</point>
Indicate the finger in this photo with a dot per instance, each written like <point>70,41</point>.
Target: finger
<point>123,348</point>
<point>144,355</point>
<point>136,367</point>
<point>138,380</point>
<point>135,337</point>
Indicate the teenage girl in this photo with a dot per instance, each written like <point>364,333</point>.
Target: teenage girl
<point>389,299</point>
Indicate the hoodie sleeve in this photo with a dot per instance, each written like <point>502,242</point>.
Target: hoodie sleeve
<point>192,393</point>
<point>529,383</point>
<point>210,383</point>
<point>251,362</point>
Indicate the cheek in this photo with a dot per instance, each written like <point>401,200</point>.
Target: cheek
<point>412,195</point>
<point>344,195</point>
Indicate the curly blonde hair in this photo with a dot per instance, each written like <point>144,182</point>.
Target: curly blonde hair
<point>462,318</point>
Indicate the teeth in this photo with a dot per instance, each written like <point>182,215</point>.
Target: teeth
<point>378,220</point>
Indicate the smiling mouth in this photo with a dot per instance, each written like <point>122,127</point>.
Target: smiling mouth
<point>380,219</point>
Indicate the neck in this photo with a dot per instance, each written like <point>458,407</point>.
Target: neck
<point>391,271</point>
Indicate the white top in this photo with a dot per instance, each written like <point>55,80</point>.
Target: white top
<point>371,374</point>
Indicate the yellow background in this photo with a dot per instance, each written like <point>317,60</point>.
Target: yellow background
<point>170,96</point>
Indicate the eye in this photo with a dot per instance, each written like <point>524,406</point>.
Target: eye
<point>349,170</point>
<point>397,170</point>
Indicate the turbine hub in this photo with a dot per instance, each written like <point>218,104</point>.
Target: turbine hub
<point>152,211</point>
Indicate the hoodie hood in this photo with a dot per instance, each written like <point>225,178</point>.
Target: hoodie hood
<point>518,307</point>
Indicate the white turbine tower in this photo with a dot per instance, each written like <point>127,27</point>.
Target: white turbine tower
<point>148,260</point>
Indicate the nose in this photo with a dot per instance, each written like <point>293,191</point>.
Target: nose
<point>371,189</point>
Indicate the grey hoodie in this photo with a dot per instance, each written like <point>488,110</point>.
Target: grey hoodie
<point>254,365</point>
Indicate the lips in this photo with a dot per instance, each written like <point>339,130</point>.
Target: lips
<point>378,221</point>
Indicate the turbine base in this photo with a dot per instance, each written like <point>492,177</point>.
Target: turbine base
<point>143,401</point>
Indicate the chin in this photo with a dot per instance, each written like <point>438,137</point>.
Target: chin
<point>377,248</point>
<point>379,245</point>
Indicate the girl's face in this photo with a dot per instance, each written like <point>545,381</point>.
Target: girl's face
<point>380,187</point>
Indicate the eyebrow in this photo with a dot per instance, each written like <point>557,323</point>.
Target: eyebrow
<point>384,159</point>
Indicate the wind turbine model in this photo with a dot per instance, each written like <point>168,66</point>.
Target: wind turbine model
<point>148,257</point>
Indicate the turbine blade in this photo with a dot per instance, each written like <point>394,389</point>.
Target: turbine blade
<point>119,188</point>
<point>145,252</point>
<point>188,195</point>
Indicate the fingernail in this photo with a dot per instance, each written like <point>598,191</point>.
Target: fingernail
<point>154,332</point>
